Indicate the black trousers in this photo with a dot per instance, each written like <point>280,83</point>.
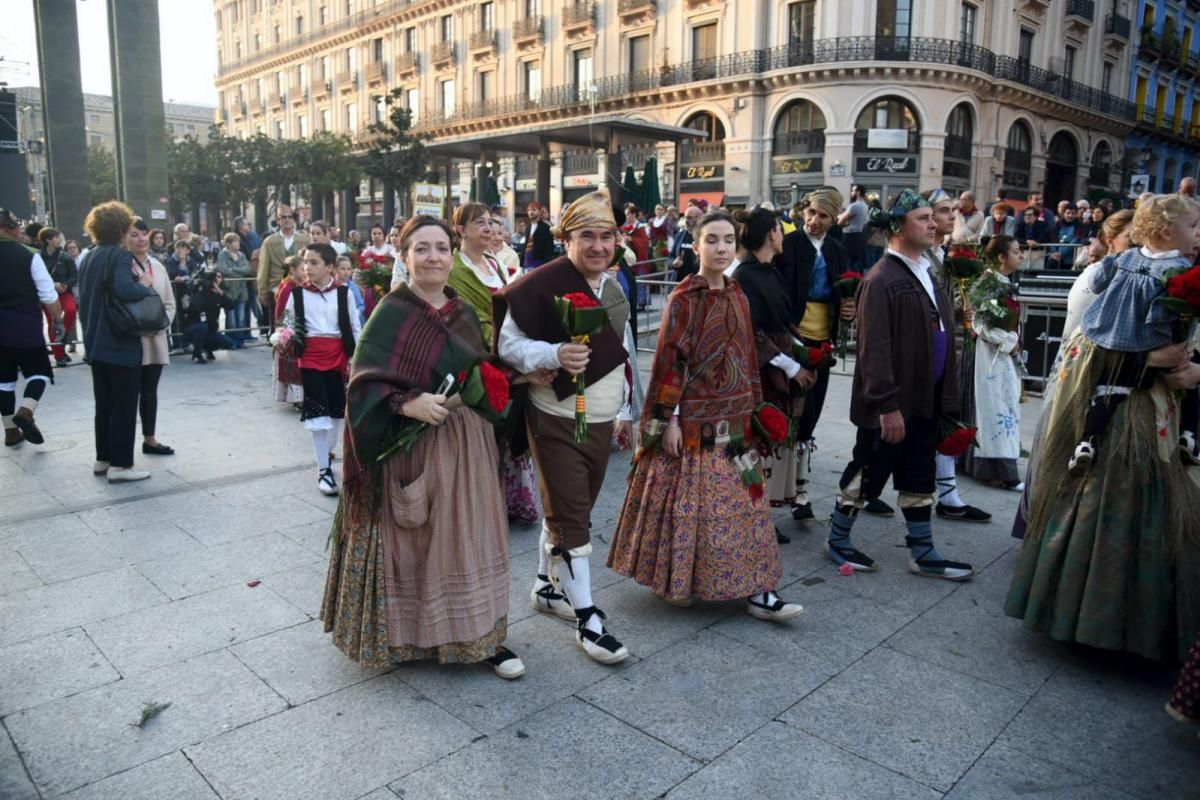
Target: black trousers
<point>148,401</point>
<point>116,392</point>
<point>909,463</point>
<point>814,401</point>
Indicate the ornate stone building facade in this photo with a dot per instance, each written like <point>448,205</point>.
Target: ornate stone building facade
<point>787,94</point>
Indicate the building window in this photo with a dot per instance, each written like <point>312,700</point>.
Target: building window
<point>257,42</point>
<point>323,16</point>
<point>352,117</point>
<point>581,71</point>
<point>377,50</point>
<point>1025,46</point>
<point>325,120</point>
<point>302,77</point>
<point>326,70</point>
<point>704,41</point>
<point>639,54</point>
<point>410,102</point>
<point>1069,62</point>
<point>302,125</point>
<point>352,61</point>
<point>532,8</point>
<point>279,129</point>
<point>446,95</point>
<point>532,79</point>
<point>410,40</point>
<point>95,140</point>
<point>1106,78</point>
<point>218,20</point>
<point>233,12</point>
<point>487,16</point>
<point>379,110</point>
<point>237,50</point>
<point>966,23</point>
<point>299,25</point>
<point>446,28</point>
<point>893,19</point>
<point>278,33</point>
<point>801,22</point>
<point>349,7</point>
<point>93,119</point>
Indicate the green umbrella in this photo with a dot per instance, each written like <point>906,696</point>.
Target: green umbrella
<point>630,188</point>
<point>650,192</point>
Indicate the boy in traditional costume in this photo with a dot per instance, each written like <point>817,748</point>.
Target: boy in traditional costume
<point>531,336</point>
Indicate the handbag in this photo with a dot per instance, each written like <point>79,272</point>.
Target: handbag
<point>140,317</point>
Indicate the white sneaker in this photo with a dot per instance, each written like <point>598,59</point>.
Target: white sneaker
<point>774,611</point>
<point>326,484</point>
<point>126,474</point>
<point>548,601</point>
<point>506,664</point>
<point>100,468</point>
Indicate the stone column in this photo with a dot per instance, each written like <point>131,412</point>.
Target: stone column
<point>349,215</point>
<point>140,121</point>
<point>542,194</point>
<point>62,107</point>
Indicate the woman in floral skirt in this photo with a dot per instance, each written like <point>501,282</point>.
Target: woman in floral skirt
<point>695,523</point>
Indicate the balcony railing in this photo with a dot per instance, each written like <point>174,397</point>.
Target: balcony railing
<point>442,53</point>
<point>375,72</point>
<point>628,8</point>
<point>526,168</point>
<point>1150,45</point>
<point>483,40</point>
<point>580,162</point>
<point>578,14</point>
<point>702,153</point>
<point>636,155</point>
<point>528,29</point>
<point>1084,10</point>
<point>799,143</point>
<point>824,51</point>
<point>406,63</point>
<point>1117,25</point>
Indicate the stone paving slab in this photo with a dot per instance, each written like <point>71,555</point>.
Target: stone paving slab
<point>302,585</point>
<point>777,756</point>
<point>708,692</point>
<point>910,716</point>
<point>59,558</point>
<point>1003,773</point>
<point>14,781</point>
<point>224,564</point>
<point>80,739</point>
<point>50,667</point>
<point>15,574</point>
<point>171,777</point>
<point>368,734</point>
<point>143,640</point>
<point>46,609</point>
<point>569,750</point>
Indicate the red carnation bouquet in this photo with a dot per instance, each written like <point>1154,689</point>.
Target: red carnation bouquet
<point>583,317</point>
<point>957,438</point>
<point>847,285</point>
<point>813,358</point>
<point>1182,296</point>
<point>377,271</point>
<point>481,387</point>
<point>963,265</point>
<point>771,425</point>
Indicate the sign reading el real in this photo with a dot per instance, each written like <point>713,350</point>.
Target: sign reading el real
<point>798,166</point>
<point>702,173</point>
<point>885,165</point>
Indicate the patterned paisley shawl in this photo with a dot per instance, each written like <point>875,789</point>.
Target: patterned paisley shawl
<point>705,363</point>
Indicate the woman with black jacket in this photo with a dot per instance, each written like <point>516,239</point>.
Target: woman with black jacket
<point>65,275</point>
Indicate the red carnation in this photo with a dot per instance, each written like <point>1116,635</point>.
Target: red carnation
<point>756,491</point>
<point>826,349</point>
<point>581,300</point>
<point>462,378</point>
<point>957,442</point>
<point>773,423</point>
<point>495,384</point>
<point>815,356</point>
<point>850,276</point>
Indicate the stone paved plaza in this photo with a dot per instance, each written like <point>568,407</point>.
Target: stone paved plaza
<point>200,588</point>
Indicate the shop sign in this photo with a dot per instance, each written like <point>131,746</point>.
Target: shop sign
<point>837,171</point>
<point>527,184</point>
<point>429,198</point>
<point>885,165</point>
<point>581,181</point>
<point>703,173</point>
<point>798,166</point>
<point>887,139</point>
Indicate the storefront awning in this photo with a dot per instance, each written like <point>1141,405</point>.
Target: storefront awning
<point>592,134</point>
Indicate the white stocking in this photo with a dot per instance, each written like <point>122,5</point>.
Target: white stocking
<point>543,555</point>
<point>947,482</point>
<point>576,583</point>
<point>321,448</point>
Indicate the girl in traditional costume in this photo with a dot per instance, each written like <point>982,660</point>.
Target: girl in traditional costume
<point>691,527</point>
<point>476,276</point>
<point>419,565</point>
<point>285,372</point>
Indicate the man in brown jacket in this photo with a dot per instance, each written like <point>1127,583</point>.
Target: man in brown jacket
<point>276,249</point>
<point>905,378</point>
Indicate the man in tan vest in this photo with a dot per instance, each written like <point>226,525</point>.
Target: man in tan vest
<point>276,248</point>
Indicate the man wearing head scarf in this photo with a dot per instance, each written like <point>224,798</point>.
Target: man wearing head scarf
<point>811,263</point>
<point>530,336</point>
<point>905,379</point>
<point>949,504</point>
<point>539,244</point>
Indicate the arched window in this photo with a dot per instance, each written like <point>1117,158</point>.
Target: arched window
<point>890,113</point>
<point>1018,156</point>
<point>1062,150</point>
<point>706,121</point>
<point>1062,165</point>
<point>1101,169</point>
<point>960,133</point>
<point>800,128</point>
<point>1170,178</point>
